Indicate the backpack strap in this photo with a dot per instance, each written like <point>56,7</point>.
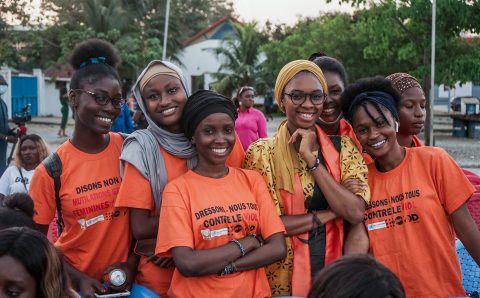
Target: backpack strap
<point>53,165</point>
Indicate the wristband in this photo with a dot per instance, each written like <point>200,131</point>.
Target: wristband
<point>242,249</point>
<point>6,138</point>
<point>315,165</point>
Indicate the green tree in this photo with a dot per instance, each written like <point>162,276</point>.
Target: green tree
<point>136,28</point>
<point>241,60</point>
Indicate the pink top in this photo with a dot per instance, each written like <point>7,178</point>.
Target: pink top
<point>250,126</point>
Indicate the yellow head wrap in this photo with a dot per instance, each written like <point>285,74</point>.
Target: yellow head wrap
<point>290,70</point>
<point>155,70</point>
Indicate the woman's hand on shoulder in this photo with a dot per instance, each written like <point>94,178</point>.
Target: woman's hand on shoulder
<point>307,139</point>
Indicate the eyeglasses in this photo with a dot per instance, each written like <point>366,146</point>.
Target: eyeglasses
<point>103,99</point>
<point>298,97</point>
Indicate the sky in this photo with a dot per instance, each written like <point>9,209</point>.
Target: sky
<point>284,11</point>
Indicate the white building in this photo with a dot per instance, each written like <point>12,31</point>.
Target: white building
<point>198,58</point>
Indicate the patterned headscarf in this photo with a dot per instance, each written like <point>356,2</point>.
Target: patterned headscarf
<point>290,70</point>
<point>402,81</point>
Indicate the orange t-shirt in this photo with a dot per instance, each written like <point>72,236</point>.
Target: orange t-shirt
<point>408,221</point>
<point>96,233</point>
<point>136,192</point>
<point>203,213</point>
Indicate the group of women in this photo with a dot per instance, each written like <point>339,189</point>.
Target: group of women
<point>185,212</point>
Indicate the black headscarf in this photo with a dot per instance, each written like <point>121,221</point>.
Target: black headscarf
<point>380,98</point>
<point>202,104</point>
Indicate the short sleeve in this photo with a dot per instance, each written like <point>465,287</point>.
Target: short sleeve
<point>42,192</point>
<point>235,159</point>
<point>175,225</point>
<point>269,220</point>
<point>453,187</point>
<point>135,190</point>
<point>5,182</point>
<point>353,165</point>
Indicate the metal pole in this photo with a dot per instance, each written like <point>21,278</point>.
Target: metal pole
<point>165,32</point>
<point>429,132</point>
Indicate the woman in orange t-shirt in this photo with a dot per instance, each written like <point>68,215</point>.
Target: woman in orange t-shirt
<point>214,217</point>
<point>418,197</point>
<point>96,234</point>
<point>150,158</point>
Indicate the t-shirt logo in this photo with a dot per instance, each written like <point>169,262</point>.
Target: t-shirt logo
<point>207,234</point>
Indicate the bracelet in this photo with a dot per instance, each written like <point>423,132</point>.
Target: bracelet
<point>315,165</point>
<point>229,269</point>
<point>257,238</point>
<point>242,249</point>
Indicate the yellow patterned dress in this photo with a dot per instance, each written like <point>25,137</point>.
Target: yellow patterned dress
<point>280,165</point>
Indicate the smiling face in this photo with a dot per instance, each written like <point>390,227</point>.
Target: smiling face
<point>247,99</point>
<point>214,139</point>
<point>377,136</point>
<point>305,114</point>
<point>412,111</point>
<point>165,98</point>
<point>89,115</point>
<point>29,153</point>
<point>331,106</point>
<point>15,281</point>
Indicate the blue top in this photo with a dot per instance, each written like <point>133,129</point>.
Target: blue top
<point>124,122</point>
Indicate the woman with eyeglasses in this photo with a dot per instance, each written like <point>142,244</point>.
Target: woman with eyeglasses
<point>251,124</point>
<point>309,176</point>
<point>154,156</point>
<point>96,235</point>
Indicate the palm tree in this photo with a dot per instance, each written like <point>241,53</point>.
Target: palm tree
<point>241,59</point>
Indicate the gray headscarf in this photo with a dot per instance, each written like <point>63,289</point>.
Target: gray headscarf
<point>141,147</point>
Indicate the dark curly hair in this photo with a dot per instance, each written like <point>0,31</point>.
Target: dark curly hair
<point>17,211</point>
<point>358,276</point>
<point>377,83</point>
<point>330,64</point>
<point>94,59</point>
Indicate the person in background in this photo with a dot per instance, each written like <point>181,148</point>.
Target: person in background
<point>139,120</point>
<point>418,197</point>
<point>251,124</point>
<point>30,152</point>
<point>316,182</point>
<point>31,273</point>
<point>123,123</point>
<point>152,157</point>
<point>359,276</point>
<point>5,138</point>
<point>220,253</point>
<point>62,88</point>
<point>268,105</point>
<point>96,235</point>
<point>411,108</point>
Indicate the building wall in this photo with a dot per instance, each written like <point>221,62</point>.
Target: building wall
<point>199,59</point>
